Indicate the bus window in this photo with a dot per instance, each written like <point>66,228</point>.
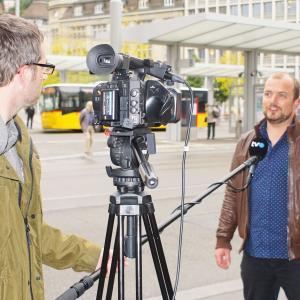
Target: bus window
<point>69,99</point>
<point>49,100</point>
<point>201,97</point>
<point>85,95</point>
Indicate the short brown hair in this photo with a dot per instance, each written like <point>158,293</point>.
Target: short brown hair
<point>280,75</point>
<point>20,44</point>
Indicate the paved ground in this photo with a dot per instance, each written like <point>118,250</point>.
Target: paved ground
<point>76,193</point>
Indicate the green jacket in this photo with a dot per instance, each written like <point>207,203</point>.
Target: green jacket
<point>26,241</point>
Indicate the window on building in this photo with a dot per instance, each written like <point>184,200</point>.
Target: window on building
<point>143,4</point>
<point>98,30</point>
<point>77,11</point>
<point>191,54</point>
<point>268,10</point>
<point>191,3</point>
<point>212,9</point>
<point>291,9</point>
<point>78,31</point>
<point>192,12</point>
<point>279,10</point>
<point>169,2</point>
<point>54,32</point>
<point>201,55</point>
<point>98,9</point>
<point>212,56</point>
<point>201,10</point>
<point>256,10</point>
<point>245,10</point>
<point>222,10</point>
<point>234,10</point>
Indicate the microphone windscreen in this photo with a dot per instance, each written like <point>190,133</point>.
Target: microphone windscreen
<point>258,147</point>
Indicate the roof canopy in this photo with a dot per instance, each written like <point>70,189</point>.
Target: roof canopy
<point>220,31</point>
<point>225,70</point>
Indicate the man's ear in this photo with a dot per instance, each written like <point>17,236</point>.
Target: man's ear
<point>24,74</point>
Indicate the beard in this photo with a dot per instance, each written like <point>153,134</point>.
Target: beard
<point>277,118</point>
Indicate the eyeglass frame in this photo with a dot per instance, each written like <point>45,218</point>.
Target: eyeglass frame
<point>50,66</point>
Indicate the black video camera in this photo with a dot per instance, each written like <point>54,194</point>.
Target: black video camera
<point>128,101</point>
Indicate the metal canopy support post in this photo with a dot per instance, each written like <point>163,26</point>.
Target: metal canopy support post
<point>116,7</point>
<point>173,55</point>
<point>249,89</point>
<point>63,76</point>
<point>210,88</point>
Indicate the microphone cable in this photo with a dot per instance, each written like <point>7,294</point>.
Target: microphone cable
<point>183,168</point>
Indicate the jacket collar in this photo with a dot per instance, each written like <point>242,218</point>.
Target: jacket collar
<point>293,129</point>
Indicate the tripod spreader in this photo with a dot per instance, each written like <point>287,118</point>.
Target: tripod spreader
<point>76,290</point>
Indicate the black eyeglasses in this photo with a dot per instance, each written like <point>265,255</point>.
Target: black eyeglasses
<point>49,68</point>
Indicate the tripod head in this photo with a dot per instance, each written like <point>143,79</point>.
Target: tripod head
<point>130,150</point>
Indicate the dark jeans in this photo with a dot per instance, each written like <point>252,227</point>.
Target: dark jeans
<point>211,129</point>
<point>262,278</point>
<point>29,121</point>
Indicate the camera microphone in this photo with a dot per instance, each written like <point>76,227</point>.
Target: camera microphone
<point>258,148</point>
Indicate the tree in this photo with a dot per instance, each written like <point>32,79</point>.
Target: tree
<point>2,8</point>
<point>221,89</point>
<point>195,81</point>
<point>23,5</point>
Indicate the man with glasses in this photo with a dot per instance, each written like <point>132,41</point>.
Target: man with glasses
<point>26,241</point>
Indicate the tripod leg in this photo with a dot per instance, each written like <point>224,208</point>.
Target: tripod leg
<point>110,225</point>
<point>138,265</point>
<point>113,267</point>
<point>121,258</point>
<point>158,259</point>
<point>162,257</point>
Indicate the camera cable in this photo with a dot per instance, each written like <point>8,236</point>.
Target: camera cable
<point>183,168</point>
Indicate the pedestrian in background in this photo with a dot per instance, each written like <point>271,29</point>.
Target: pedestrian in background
<point>87,126</point>
<point>267,214</point>
<point>30,114</point>
<point>26,241</point>
<point>213,113</point>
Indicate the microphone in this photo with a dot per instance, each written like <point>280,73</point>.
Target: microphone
<point>258,148</point>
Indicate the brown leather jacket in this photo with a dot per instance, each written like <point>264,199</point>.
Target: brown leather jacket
<point>234,213</point>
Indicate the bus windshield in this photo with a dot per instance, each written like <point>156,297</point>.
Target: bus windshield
<point>65,98</point>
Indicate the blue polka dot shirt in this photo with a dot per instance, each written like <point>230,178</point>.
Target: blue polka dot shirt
<point>268,202</point>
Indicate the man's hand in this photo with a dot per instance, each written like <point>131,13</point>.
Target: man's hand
<point>223,259</point>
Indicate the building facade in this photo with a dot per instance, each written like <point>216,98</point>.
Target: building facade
<point>76,26</point>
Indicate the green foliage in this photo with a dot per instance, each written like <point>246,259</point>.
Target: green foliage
<point>195,81</point>
<point>221,89</point>
<point>23,5</point>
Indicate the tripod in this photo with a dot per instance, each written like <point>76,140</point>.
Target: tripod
<point>130,202</point>
<point>79,288</point>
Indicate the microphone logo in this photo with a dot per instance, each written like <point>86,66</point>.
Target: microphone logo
<point>258,144</point>
<point>258,147</point>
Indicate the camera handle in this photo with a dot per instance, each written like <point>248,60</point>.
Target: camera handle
<point>76,290</point>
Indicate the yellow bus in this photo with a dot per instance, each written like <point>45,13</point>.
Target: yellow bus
<point>61,104</point>
<point>199,113</point>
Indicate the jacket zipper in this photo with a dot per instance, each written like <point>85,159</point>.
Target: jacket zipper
<point>27,227</point>
<point>290,202</point>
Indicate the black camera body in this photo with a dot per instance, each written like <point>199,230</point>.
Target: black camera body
<point>119,103</point>
<point>128,101</point>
